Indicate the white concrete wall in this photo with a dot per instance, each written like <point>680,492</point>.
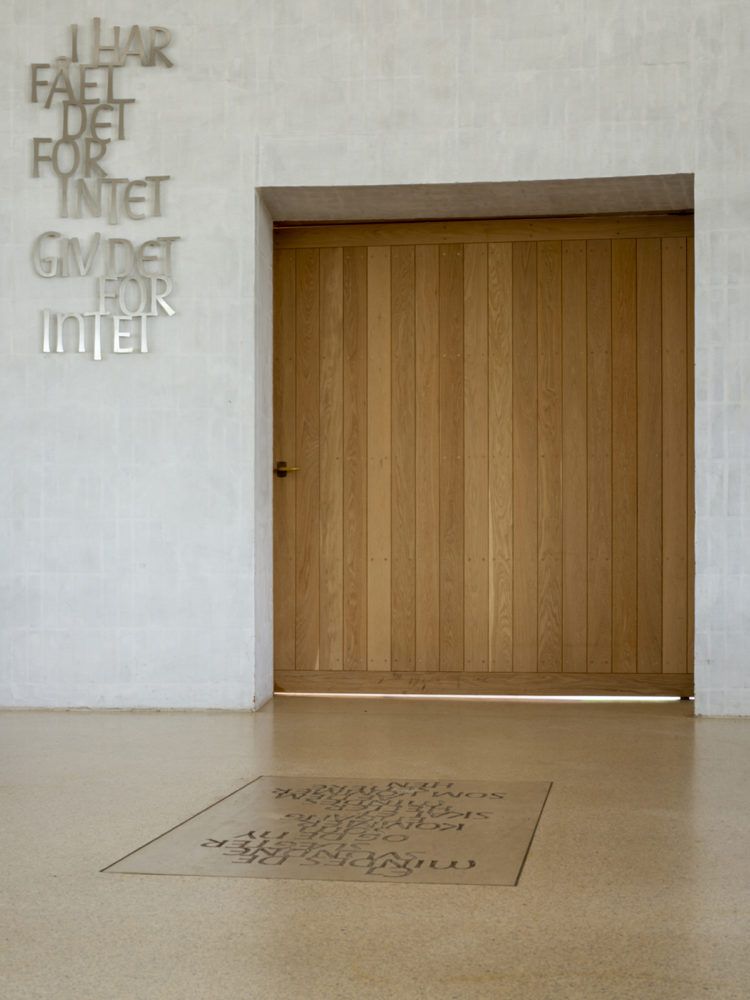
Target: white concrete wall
<point>129,528</point>
<point>135,517</point>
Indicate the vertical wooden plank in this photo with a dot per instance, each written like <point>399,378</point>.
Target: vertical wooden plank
<point>674,455</point>
<point>331,459</point>
<point>427,280</point>
<point>649,456</point>
<point>476,451</point>
<point>500,309</point>
<point>307,631</point>
<point>549,391</point>
<point>599,339</point>
<point>451,459</point>
<point>575,457</point>
<point>355,458</point>
<point>284,434</point>
<point>691,454</point>
<point>403,511</point>
<point>624,459</point>
<point>525,450</point>
<point>379,458</point>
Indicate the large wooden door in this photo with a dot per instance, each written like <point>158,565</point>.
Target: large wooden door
<point>492,423</point>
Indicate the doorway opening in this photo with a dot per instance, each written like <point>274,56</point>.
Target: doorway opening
<point>636,195</point>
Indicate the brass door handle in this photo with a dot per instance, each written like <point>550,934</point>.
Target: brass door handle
<point>281,469</point>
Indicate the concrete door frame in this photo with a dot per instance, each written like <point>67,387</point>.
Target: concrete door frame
<point>482,200</point>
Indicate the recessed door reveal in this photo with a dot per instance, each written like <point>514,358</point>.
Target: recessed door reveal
<point>363,830</point>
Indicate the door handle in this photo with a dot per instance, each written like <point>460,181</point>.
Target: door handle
<point>281,469</point>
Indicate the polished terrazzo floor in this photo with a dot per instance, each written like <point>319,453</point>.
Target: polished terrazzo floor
<point>637,884</point>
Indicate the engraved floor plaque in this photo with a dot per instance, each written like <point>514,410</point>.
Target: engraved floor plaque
<point>446,832</point>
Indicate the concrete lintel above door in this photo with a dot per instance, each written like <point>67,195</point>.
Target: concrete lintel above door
<point>485,200</point>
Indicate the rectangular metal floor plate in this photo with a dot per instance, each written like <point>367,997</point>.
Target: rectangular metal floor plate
<point>351,829</point>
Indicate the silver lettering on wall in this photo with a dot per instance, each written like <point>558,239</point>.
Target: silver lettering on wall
<point>132,276</point>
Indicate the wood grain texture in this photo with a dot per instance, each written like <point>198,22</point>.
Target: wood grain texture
<point>674,455</point>
<point>574,453</point>
<point>486,683</point>
<point>549,465</point>
<point>482,231</point>
<point>599,410</point>
<point>284,435</point>
<point>496,452</point>
<point>403,493</point>
<point>427,332</point>
<point>525,449</point>
<point>476,450</point>
<point>379,458</point>
<point>624,459</point>
<point>355,458</point>
<point>500,408</point>
<point>451,457</point>
<point>649,456</point>
<point>331,458</point>
<point>307,624</point>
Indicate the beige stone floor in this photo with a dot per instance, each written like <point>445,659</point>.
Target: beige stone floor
<point>637,884</point>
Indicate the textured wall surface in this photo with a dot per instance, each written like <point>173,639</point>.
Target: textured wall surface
<point>135,516</point>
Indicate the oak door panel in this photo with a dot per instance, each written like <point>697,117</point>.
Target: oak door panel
<point>494,442</point>
<point>476,465</point>
<point>403,483</point>
<point>624,458</point>
<point>500,435</point>
<point>307,457</point>
<point>525,452</point>
<point>451,572</point>
<point>599,454</point>
<point>331,458</point>
<point>649,488</point>
<point>379,452</point>
<point>574,457</point>
<point>285,448</point>
<point>427,456</point>
<point>675,454</point>
<point>549,377</point>
<point>354,471</point>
